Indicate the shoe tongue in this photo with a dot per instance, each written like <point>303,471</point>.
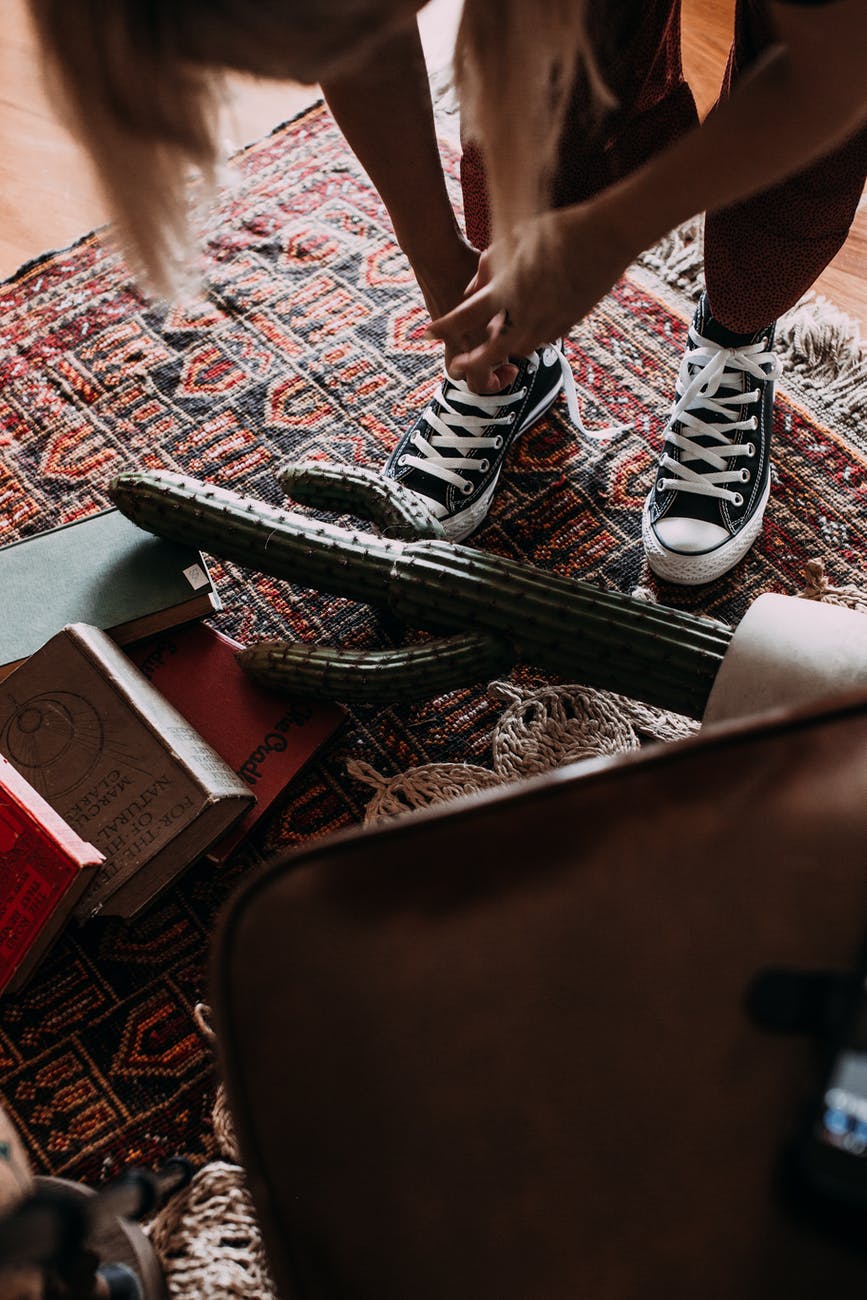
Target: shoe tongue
<point>711,329</point>
<point>463,402</point>
<point>725,337</point>
<point>466,403</point>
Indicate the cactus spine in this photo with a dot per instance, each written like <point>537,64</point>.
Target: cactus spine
<point>604,639</point>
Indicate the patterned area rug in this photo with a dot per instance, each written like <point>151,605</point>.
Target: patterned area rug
<point>308,342</point>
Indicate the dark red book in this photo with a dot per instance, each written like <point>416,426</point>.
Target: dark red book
<point>45,867</point>
<point>265,737</point>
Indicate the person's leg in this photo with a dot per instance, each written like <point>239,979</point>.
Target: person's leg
<point>382,103</point>
<point>712,484</point>
<point>453,454</point>
<point>762,255</point>
<point>637,45</point>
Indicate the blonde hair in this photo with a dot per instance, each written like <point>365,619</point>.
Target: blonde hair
<point>140,80</point>
<point>145,112</point>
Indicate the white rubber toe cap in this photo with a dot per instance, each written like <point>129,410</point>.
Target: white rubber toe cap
<point>689,536</point>
<point>715,551</point>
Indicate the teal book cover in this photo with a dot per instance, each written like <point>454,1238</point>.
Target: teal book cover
<point>101,570</point>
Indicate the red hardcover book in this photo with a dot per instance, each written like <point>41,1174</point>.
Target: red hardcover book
<point>44,869</point>
<point>265,737</point>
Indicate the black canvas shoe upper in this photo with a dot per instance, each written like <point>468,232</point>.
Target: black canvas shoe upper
<point>454,451</point>
<point>714,469</point>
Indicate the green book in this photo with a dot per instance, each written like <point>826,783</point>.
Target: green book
<point>102,570</point>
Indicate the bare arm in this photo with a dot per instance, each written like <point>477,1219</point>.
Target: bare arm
<point>382,104</point>
<point>806,96</point>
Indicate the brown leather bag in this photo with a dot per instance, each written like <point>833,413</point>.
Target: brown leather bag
<point>499,1051</point>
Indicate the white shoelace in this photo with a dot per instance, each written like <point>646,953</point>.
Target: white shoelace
<point>462,431</point>
<point>706,368</point>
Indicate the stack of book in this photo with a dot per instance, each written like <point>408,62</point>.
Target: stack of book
<point>264,737</point>
<point>122,767</point>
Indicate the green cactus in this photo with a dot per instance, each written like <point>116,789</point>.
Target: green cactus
<point>395,510</point>
<point>662,656</point>
<point>372,676</point>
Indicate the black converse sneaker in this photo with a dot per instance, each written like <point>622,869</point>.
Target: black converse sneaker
<point>705,509</point>
<point>453,454</point>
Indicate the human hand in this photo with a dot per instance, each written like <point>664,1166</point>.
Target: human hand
<point>443,282</point>
<point>560,265</point>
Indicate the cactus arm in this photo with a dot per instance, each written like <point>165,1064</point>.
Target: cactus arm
<point>380,677</point>
<point>260,536</point>
<point>354,489</point>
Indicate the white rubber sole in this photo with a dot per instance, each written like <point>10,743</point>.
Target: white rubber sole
<point>694,570</point>
<point>460,526</point>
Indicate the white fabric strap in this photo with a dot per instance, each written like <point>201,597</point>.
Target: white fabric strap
<point>570,391</point>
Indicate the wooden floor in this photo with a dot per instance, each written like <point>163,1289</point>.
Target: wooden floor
<point>49,197</point>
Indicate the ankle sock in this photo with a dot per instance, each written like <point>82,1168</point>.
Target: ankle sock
<point>713,329</point>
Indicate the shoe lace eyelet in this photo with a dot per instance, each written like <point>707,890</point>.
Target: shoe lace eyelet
<point>751,449</point>
<point>401,460</point>
<point>484,466</point>
<point>737,500</point>
<point>498,442</point>
<point>660,485</point>
<point>512,417</point>
<point>466,488</point>
<point>754,423</point>
<point>745,476</point>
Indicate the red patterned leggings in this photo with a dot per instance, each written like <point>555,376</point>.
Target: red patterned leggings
<point>760,255</point>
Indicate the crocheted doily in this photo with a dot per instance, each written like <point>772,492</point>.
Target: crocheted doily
<point>542,728</point>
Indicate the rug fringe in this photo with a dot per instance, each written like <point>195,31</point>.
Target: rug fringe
<point>817,587</point>
<point>678,259</point>
<point>823,355</point>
